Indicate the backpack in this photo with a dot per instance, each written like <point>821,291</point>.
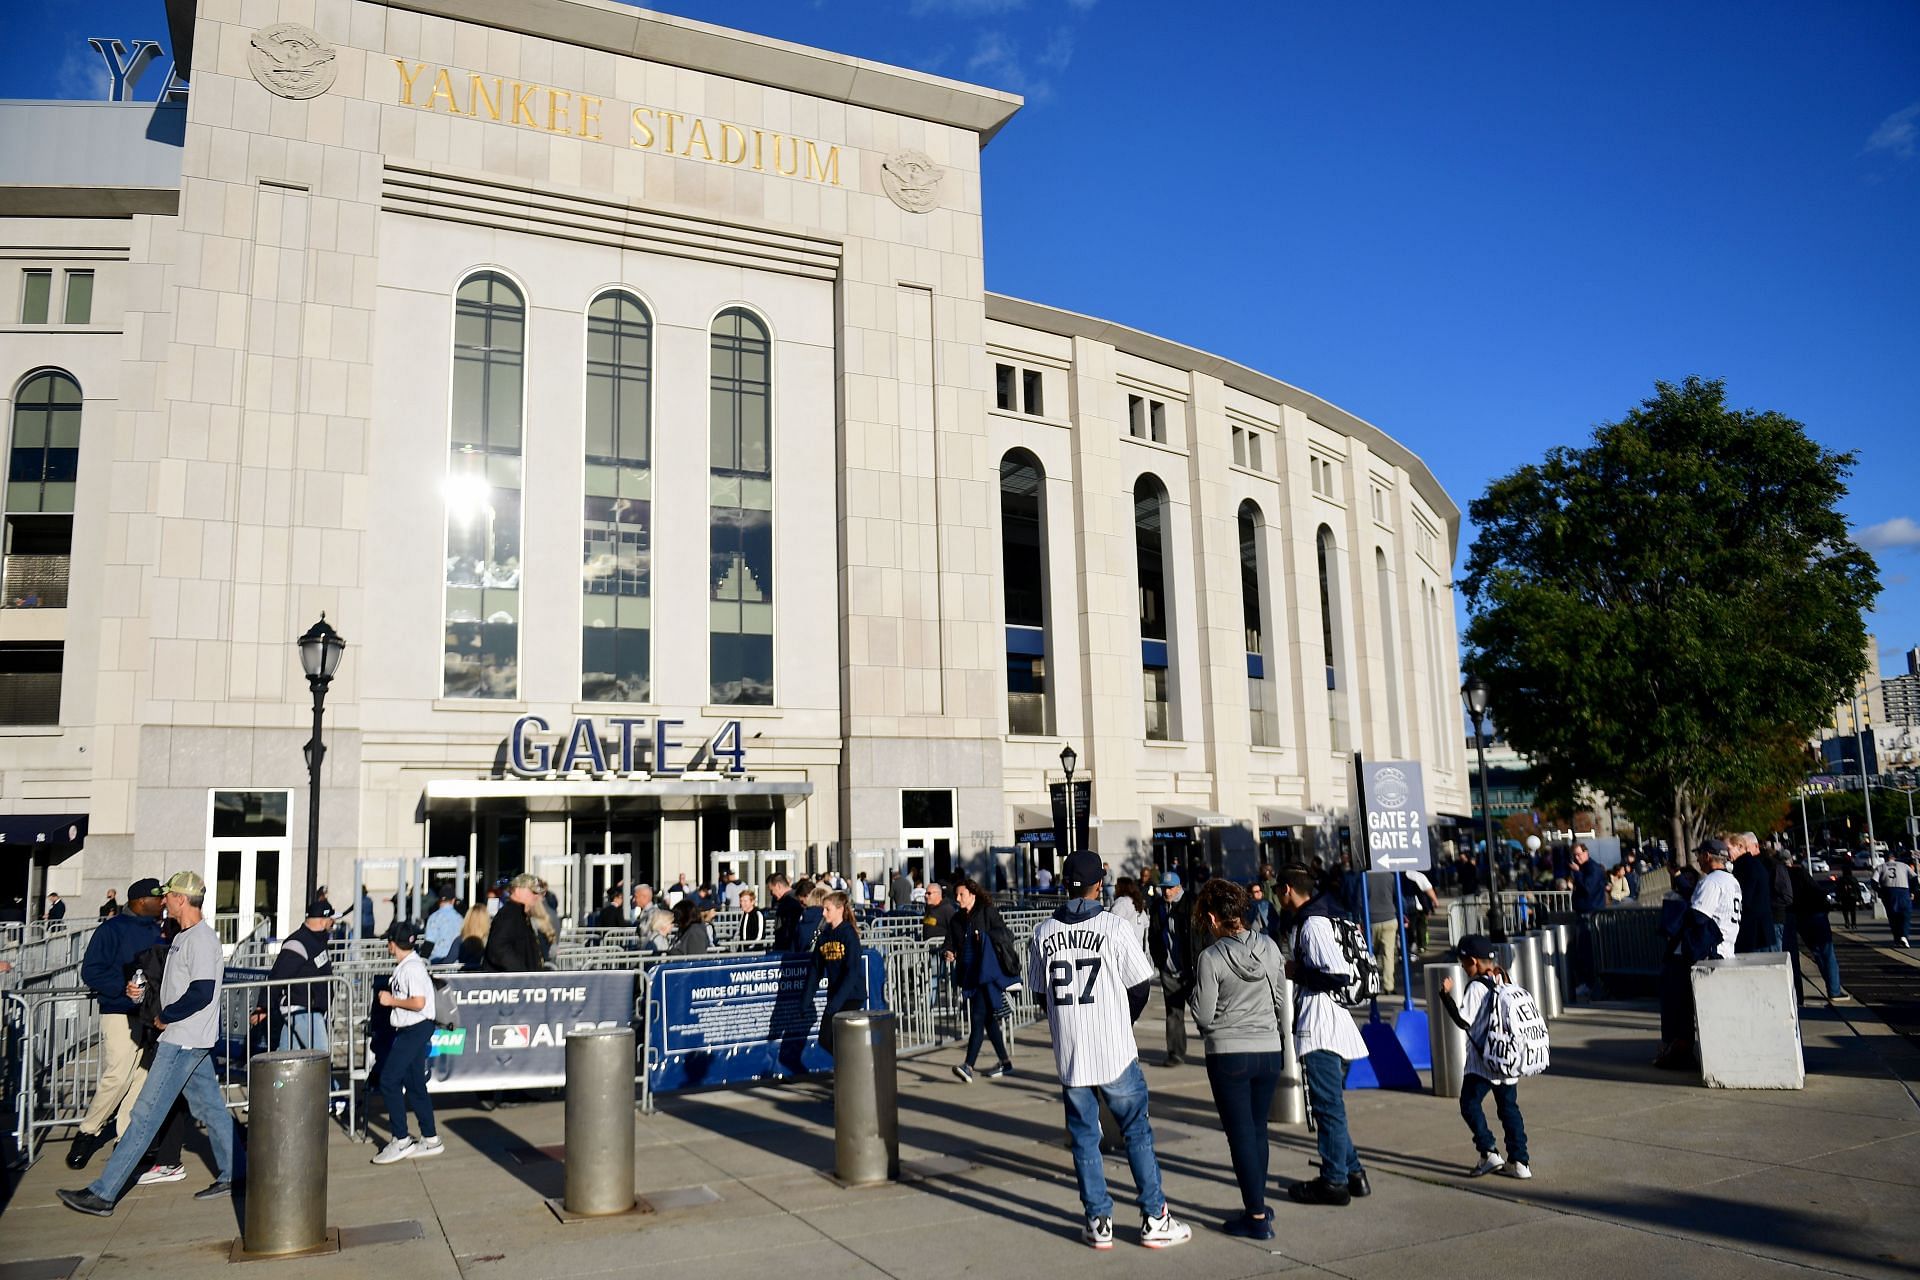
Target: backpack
<point>1511,1034</point>
<point>1005,950</point>
<point>1363,982</point>
<point>446,1015</point>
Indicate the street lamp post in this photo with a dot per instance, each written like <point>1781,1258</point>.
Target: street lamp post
<point>1475,694</point>
<point>1861,730</point>
<point>1068,758</point>
<point>320,651</point>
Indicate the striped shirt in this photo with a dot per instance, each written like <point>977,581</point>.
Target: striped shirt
<point>1082,965</point>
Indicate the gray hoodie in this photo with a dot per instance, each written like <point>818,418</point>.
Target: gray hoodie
<point>1236,994</point>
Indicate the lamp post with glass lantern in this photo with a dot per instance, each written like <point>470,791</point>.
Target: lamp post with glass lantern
<point>1068,758</point>
<point>320,651</point>
<point>1475,694</point>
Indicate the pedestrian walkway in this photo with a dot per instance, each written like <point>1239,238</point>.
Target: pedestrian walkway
<point>1638,1173</point>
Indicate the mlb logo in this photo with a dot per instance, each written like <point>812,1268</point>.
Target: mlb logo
<point>511,1036</point>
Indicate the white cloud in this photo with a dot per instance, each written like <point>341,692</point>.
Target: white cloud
<point>1898,534</point>
<point>1003,62</point>
<point>1898,133</point>
<point>83,75</point>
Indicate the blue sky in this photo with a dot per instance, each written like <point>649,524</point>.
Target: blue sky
<point>1484,228</point>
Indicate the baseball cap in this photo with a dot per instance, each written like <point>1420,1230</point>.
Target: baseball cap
<point>1713,845</point>
<point>1083,870</point>
<point>319,907</point>
<point>1475,945</point>
<point>1171,880</point>
<point>144,887</point>
<point>186,882</point>
<point>404,933</point>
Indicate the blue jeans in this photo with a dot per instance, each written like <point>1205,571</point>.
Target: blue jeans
<point>1127,1099</point>
<point>1243,1085</point>
<point>986,1022</point>
<point>1326,1075</point>
<point>404,1069</point>
<point>303,1029</point>
<point>175,1071</point>
<point>1506,1100</point>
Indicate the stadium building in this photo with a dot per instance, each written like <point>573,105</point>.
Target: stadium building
<point>625,390</point>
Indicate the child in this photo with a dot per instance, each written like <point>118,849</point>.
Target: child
<point>403,1071</point>
<point>1480,1079</point>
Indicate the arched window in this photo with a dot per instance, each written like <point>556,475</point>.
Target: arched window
<point>41,473</point>
<point>740,565</point>
<point>1023,555</point>
<point>1390,636</point>
<point>1332,629</point>
<point>616,615</point>
<point>482,657</point>
<point>1149,538</point>
<point>1263,719</point>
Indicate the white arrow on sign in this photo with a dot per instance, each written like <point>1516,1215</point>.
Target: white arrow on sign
<point>1398,862</point>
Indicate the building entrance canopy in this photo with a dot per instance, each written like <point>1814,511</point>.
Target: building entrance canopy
<point>587,796</point>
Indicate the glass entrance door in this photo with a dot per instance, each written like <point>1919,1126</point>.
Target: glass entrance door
<point>926,828</point>
<point>248,857</point>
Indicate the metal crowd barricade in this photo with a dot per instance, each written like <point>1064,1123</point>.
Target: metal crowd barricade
<point>1628,941</point>
<point>344,1023</point>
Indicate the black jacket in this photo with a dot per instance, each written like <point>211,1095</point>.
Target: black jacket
<point>111,952</point>
<point>753,927</point>
<point>786,921</point>
<point>1170,936</point>
<point>1756,903</point>
<point>511,944</point>
<point>837,958</point>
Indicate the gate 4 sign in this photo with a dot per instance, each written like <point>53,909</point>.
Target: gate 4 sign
<point>1396,815</point>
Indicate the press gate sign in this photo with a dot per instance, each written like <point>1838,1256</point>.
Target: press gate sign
<point>740,1019</point>
<point>1396,797</point>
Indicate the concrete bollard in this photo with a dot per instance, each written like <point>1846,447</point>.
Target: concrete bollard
<point>1549,993</point>
<point>1749,1022</point>
<point>599,1122</point>
<point>866,1104</point>
<point>1565,939</point>
<point>1449,1041</point>
<point>286,1203</point>
<point>1290,1097</point>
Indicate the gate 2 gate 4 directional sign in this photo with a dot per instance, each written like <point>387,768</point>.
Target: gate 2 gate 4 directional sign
<point>1396,816</point>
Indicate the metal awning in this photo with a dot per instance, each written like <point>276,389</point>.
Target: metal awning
<point>594,795</point>
<point>53,836</point>
<point>1280,815</point>
<point>1032,817</point>
<point>1175,815</point>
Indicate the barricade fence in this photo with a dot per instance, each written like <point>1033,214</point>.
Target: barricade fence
<point>58,1058</point>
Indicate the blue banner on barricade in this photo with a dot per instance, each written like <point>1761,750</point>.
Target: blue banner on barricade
<point>513,1026</point>
<point>733,1021</point>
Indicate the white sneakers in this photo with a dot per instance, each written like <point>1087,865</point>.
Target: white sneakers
<point>1164,1231</point>
<point>1494,1162</point>
<point>409,1149</point>
<point>163,1173</point>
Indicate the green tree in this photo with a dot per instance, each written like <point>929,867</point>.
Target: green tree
<point>1660,614</point>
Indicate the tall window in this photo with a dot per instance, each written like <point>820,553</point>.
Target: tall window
<point>1023,584</point>
<point>1330,629</point>
<point>615,576</point>
<point>1390,635</point>
<point>1149,525</point>
<point>740,564</point>
<point>482,657</point>
<point>42,470</point>
<point>1262,715</point>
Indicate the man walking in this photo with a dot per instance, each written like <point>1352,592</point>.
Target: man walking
<point>296,1014</point>
<point>1086,967</point>
<point>189,1022</point>
<point>107,969</point>
<point>1895,879</point>
<point>1756,896</point>
<point>1326,1038</point>
<point>1170,942</point>
<point>1589,896</point>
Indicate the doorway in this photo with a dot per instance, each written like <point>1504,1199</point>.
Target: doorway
<point>927,831</point>
<point>249,863</point>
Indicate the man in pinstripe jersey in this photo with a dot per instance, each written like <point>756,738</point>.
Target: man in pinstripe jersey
<point>1086,966</point>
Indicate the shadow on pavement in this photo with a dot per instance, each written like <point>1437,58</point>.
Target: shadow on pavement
<point>538,1171</point>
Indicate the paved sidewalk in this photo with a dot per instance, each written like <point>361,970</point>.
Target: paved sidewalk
<point>1638,1174</point>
